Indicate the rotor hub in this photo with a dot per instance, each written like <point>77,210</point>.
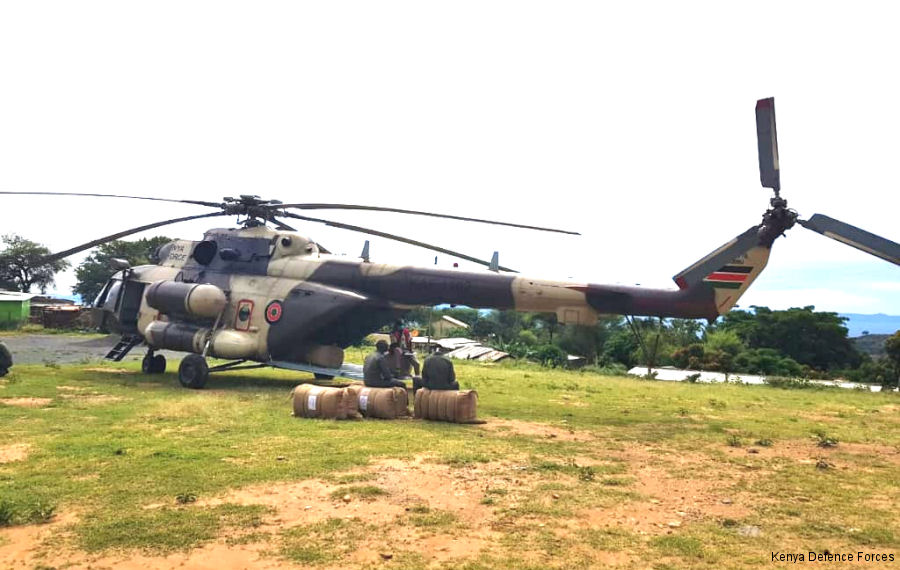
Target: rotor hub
<point>254,210</point>
<point>777,220</point>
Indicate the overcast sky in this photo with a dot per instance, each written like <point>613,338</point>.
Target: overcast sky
<point>632,123</point>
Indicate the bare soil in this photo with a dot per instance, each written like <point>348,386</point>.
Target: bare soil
<point>663,500</point>
<point>14,452</point>
<point>26,402</point>
<point>532,429</point>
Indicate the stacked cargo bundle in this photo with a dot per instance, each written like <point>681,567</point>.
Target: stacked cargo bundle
<point>324,402</point>
<point>458,406</point>
<point>384,403</point>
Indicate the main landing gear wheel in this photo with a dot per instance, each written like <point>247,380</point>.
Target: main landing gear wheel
<point>153,364</point>
<point>193,371</point>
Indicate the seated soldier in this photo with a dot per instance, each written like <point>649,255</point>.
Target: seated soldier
<point>377,371</point>
<point>6,361</point>
<point>437,374</point>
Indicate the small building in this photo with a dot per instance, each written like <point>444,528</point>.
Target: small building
<point>55,312</point>
<point>444,326</point>
<point>15,308</point>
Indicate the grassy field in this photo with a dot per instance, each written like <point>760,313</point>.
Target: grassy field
<point>102,466</point>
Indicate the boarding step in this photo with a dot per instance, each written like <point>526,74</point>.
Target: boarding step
<point>123,347</point>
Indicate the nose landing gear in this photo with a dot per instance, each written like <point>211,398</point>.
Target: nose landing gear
<point>153,364</point>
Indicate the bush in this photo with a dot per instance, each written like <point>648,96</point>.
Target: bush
<point>767,361</point>
<point>611,369</point>
<point>550,355</point>
<point>791,383</point>
<point>527,338</point>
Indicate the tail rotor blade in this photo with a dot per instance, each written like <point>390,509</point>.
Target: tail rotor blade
<point>855,237</point>
<point>767,139</point>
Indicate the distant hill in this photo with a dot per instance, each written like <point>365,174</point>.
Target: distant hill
<point>871,344</point>
<point>874,324</point>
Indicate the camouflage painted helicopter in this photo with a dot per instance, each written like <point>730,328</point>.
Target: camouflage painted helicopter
<point>267,296</point>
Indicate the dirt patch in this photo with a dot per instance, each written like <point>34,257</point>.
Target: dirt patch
<point>668,499</point>
<point>571,402</point>
<point>808,451</point>
<point>473,504</point>
<point>23,545</point>
<point>92,398</point>
<point>534,429</point>
<point>14,452</point>
<point>406,488</point>
<point>107,371</point>
<point>26,402</point>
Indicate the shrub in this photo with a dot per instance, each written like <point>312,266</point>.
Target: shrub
<point>791,383</point>
<point>550,355</point>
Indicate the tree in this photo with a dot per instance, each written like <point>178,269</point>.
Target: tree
<point>815,338</point>
<point>892,348</point>
<point>94,271</point>
<point>22,265</point>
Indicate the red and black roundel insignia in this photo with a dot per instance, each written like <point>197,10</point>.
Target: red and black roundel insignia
<point>273,312</point>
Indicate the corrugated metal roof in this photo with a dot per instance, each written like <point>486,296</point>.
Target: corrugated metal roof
<point>478,352</point>
<point>455,322</point>
<point>15,296</point>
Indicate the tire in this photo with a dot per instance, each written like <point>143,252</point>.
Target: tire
<point>193,372</point>
<point>147,364</point>
<point>319,376</point>
<point>159,364</point>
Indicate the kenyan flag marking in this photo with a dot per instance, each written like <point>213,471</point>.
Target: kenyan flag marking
<point>729,277</point>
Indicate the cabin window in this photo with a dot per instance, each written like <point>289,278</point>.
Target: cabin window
<point>244,313</point>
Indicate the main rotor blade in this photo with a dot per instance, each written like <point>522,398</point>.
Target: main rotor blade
<point>115,236</point>
<point>417,213</point>
<point>197,202</point>
<point>718,259</point>
<point>396,238</point>
<point>855,237</point>
<point>767,141</point>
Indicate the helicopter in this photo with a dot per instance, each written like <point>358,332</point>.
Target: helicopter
<point>261,294</point>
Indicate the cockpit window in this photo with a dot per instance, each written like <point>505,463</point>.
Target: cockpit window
<point>112,294</point>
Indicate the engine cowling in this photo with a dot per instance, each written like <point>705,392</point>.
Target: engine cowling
<point>195,299</point>
<point>188,337</point>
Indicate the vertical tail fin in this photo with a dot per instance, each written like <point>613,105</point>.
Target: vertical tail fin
<point>728,271</point>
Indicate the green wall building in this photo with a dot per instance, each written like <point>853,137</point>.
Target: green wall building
<point>15,308</point>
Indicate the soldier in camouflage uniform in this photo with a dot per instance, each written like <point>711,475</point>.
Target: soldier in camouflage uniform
<point>377,372</point>
<point>6,361</point>
<point>437,374</point>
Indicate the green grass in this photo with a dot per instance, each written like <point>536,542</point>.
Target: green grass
<point>108,444</point>
<point>323,542</point>
<point>358,492</point>
<point>166,529</point>
<point>433,518</point>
